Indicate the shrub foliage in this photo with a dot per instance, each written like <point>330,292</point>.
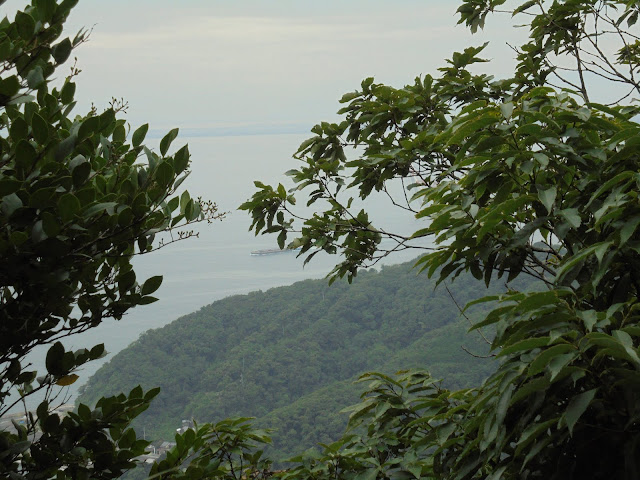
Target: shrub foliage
<point>535,174</point>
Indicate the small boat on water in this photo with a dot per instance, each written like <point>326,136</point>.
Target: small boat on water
<point>273,251</point>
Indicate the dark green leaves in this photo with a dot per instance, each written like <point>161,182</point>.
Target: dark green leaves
<point>74,202</point>
<point>40,129</point>
<point>69,206</point>
<point>90,126</point>
<point>548,197</point>
<point>166,141</point>
<point>151,285</point>
<point>577,407</point>
<point>65,147</point>
<point>139,134</point>
<point>9,186</point>
<point>507,177</point>
<point>9,86</point>
<point>181,160</point>
<point>10,203</point>
<point>35,78</point>
<point>164,174</point>
<point>55,359</point>
<point>61,51</point>
<point>25,25</point>
<point>25,154</point>
<point>67,92</point>
<point>525,6</point>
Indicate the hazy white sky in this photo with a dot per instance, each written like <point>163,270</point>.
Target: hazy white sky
<point>246,63</point>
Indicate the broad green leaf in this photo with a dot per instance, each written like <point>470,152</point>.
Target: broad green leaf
<point>627,343</point>
<point>368,474</point>
<point>138,136</point>
<point>50,224</point>
<point>10,203</point>
<point>185,198</point>
<point>541,158</point>
<point>580,256</point>
<point>151,285</point>
<point>166,141</point>
<point>589,317</point>
<point>629,228</point>
<point>506,109</point>
<point>40,129</point>
<point>558,363</point>
<point>9,86</point>
<point>89,127</point>
<point>25,154</point>
<point>497,473</point>
<point>61,51</point>
<point>65,147</point>
<point>524,6</point>
<point>541,361</point>
<point>26,25</point>
<point>125,217</point>
<point>80,173</point>
<point>536,449</point>
<point>67,93</point>
<point>620,178</point>
<point>148,300</point>
<point>164,174</point>
<point>576,408</point>
<point>548,197</point>
<point>471,127</point>
<point>601,250</point>
<point>35,78</point>
<point>532,432</point>
<point>119,134</point>
<point>18,238</point>
<point>37,232</point>
<point>572,216</point>
<point>54,359</point>
<point>9,186</point>
<point>181,160</point>
<point>532,386</point>
<point>19,129</point>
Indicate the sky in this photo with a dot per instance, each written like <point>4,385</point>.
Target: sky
<point>252,65</point>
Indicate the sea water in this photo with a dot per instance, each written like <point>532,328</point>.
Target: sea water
<point>199,271</point>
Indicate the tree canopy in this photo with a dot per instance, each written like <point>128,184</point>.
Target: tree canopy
<point>80,195</point>
<point>533,174</point>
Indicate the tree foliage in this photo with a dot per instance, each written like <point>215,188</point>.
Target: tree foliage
<point>79,197</point>
<point>534,174</point>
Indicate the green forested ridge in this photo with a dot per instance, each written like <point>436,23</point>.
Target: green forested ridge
<point>301,346</point>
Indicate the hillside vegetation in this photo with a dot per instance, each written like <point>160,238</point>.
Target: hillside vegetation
<point>289,356</point>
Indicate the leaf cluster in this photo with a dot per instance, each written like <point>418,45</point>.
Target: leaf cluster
<point>79,197</point>
<point>534,174</point>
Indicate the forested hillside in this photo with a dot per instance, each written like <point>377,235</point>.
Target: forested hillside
<point>289,356</point>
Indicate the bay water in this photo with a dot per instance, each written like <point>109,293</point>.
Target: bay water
<point>218,263</point>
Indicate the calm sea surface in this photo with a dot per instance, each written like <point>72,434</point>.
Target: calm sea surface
<point>218,263</point>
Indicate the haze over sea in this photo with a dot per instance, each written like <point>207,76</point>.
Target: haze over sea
<point>198,271</point>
